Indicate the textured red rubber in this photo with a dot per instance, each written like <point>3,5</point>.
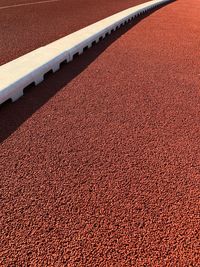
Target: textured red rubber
<point>26,28</point>
<point>107,172</point>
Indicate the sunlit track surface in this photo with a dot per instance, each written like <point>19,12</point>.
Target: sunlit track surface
<point>26,28</point>
<point>107,172</point>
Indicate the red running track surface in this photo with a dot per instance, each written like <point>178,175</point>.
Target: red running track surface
<point>107,172</point>
<point>26,28</point>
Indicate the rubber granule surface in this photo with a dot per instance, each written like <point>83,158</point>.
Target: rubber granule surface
<point>107,171</point>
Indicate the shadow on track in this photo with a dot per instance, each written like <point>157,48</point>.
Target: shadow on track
<point>12,115</point>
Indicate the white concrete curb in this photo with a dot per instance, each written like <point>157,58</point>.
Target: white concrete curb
<point>16,75</point>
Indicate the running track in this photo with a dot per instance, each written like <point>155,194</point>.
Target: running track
<point>107,171</point>
<point>25,28</point>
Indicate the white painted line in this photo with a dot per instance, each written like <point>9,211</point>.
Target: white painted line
<point>28,4</point>
<point>31,68</point>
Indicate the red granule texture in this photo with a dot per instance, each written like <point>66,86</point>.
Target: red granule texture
<point>106,172</point>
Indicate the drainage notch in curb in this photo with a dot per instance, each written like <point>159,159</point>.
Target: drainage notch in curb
<point>23,73</point>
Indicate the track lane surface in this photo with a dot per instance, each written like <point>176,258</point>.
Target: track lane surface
<point>107,172</point>
<point>28,4</point>
<point>26,28</point>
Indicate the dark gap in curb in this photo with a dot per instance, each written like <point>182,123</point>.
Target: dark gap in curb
<point>29,88</point>
<point>63,63</point>
<point>85,48</point>
<point>6,103</point>
<point>76,55</point>
<point>48,74</point>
